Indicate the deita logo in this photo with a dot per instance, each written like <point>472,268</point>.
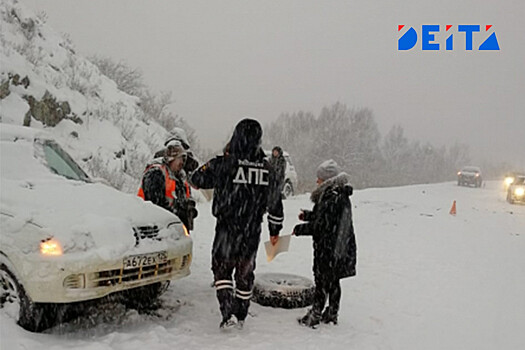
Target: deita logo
<point>429,42</point>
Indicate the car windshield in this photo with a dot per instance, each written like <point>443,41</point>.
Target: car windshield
<point>61,163</point>
<point>520,180</point>
<point>471,170</point>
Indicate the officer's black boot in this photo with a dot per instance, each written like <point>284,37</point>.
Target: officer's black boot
<point>227,323</point>
<point>225,297</point>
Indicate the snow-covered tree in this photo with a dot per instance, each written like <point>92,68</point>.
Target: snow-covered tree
<point>130,80</point>
<point>348,136</point>
<point>351,137</point>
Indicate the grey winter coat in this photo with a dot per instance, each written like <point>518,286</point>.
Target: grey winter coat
<point>330,224</point>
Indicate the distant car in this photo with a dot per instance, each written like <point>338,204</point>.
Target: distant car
<point>290,175</point>
<point>516,190</point>
<point>470,175</point>
<point>66,238</point>
<point>510,178</point>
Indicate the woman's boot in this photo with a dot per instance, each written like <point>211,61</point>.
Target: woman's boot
<point>329,316</point>
<point>311,319</point>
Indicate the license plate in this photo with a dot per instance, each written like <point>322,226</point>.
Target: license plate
<point>135,261</point>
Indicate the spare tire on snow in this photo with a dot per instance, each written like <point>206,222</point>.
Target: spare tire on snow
<point>283,290</point>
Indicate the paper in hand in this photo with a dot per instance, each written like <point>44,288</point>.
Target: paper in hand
<point>281,246</point>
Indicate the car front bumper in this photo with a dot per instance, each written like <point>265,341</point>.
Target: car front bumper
<point>517,199</point>
<point>469,179</point>
<point>86,276</point>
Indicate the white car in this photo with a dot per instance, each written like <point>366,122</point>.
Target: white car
<point>66,238</point>
<point>290,175</point>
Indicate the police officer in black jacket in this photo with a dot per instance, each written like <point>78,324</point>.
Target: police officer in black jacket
<point>245,187</point>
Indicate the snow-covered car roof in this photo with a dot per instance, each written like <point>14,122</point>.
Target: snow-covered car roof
<point>471,168</point>
<point>10,132</point>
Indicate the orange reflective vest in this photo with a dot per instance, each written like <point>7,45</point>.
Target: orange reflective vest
<point>170,185</point>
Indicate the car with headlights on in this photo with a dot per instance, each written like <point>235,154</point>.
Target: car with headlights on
<point>66,238</point>
<point>510,178</point>
<point>516,190</point>
<point>470,175</point>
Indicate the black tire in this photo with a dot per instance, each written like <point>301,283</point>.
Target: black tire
<point>509,198</point>
<point>144,298</point>
<point>31,316</point>
<point>287,190</point>
<point>283,290</point>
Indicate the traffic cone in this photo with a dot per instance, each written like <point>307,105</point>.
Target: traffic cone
<point>453,209</point>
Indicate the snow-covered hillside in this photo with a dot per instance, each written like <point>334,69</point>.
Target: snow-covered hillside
<point>426,280</point>
<point>43,81</point>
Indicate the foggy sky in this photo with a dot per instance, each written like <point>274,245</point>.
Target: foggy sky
<point>224,60</point>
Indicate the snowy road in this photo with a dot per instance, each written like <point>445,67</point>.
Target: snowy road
<point>426,280</point>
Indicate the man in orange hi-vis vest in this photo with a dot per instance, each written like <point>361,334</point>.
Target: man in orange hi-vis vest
<point>163,185</point>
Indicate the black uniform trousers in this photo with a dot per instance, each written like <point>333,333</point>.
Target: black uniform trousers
<point>234,252</point>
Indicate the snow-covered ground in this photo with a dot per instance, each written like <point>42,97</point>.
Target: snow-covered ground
<point>426,280</point>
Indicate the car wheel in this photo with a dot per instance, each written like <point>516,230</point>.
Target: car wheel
<point>509,198</point>
<point>283,290</point>
<point>287,190</point>
<point>30,316</point>
<point>146,297</point>
<point>459,183</point>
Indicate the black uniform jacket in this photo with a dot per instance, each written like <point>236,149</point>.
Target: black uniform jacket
<point>245,185</point>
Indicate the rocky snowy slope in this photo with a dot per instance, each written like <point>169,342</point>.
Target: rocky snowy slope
<point>46,84</point>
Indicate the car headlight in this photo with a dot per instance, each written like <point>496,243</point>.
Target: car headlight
<point>509,180</point>
<point>50,247</point>
<point>459,173</point>
<point>186,231</point>
<point>184,228</point>
<point>519,192</point>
